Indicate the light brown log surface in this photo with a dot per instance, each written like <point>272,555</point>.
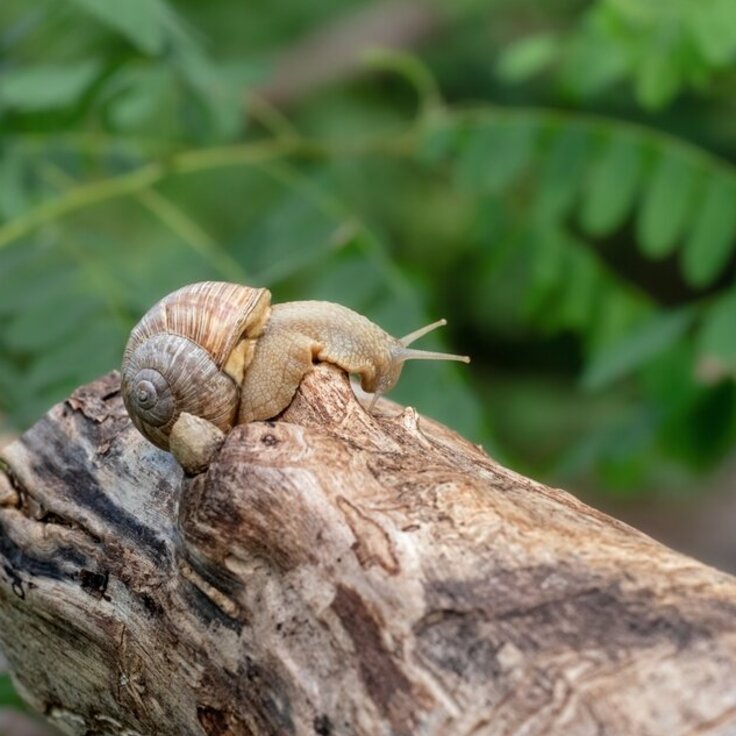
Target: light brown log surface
<point>340,573</point>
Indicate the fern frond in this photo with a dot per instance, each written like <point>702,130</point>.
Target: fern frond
<point>608,170</point>
<point>659,48</point>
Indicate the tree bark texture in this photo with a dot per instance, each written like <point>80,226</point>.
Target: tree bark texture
<point>335,572</point>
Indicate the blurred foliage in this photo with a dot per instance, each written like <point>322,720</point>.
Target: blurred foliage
<point>8,696</point>
<point>661,48</point>
<point>555,178</point>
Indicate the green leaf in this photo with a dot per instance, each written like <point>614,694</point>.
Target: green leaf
<point>45,87</point>
<point>143,93</point>
<point>547,269</point>
<point>9,698</point>
<point>702,432</point>
<point>220,88</point>
<point>32,274</point>
<point>669,380</point>
<point>351,279</point>
<point>659,78</point>
<point>717,337</point>
<point>527,57</point>
<point>494,156</point>
<point>13,186</point>
<point>612,187</point>
<point>593,64</point>
<point>582,289</point>
<point>618,313</point>
<point>9,379</point>
<point>667,205</point>
<point>287,255</point>
<point>91,351</point>
<point>627,455</point>
<point>713,27</point>
<point>711,241</point>
<point>140,21</point>
<point>50,320</point>
<point>645,341</point>
<point>564,162</point>
<point>608,447</point>
<point>440,138</point>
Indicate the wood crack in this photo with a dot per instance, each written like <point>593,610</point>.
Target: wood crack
<point>335,572</point>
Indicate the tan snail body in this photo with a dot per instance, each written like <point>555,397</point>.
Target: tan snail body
<point>213,354</point>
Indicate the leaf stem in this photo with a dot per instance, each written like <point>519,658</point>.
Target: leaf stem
<point>401,144</point>
<point>180,223</point>
<point>187,162</point>
<point>78,198</point>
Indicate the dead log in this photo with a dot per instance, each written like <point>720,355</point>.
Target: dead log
<point>340,573</point>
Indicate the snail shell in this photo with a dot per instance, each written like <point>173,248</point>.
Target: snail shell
<point>188,354</point>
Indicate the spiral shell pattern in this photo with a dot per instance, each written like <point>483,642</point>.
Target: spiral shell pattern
<point>174,359</point>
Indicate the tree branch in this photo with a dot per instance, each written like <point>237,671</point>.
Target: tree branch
<point>340,573</point>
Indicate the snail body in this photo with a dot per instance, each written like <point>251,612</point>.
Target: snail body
<point>216,354</point>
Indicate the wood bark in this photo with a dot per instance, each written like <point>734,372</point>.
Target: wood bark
<point>335,572</point>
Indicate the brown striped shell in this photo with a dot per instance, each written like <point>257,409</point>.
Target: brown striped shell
<point>176,356</point>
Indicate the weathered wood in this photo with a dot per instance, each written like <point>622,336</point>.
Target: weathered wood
<point>340,573</point>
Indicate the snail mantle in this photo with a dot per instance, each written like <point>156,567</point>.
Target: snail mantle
<point>337,572</point>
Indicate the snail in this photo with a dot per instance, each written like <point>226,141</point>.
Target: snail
<point>213,354</point>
